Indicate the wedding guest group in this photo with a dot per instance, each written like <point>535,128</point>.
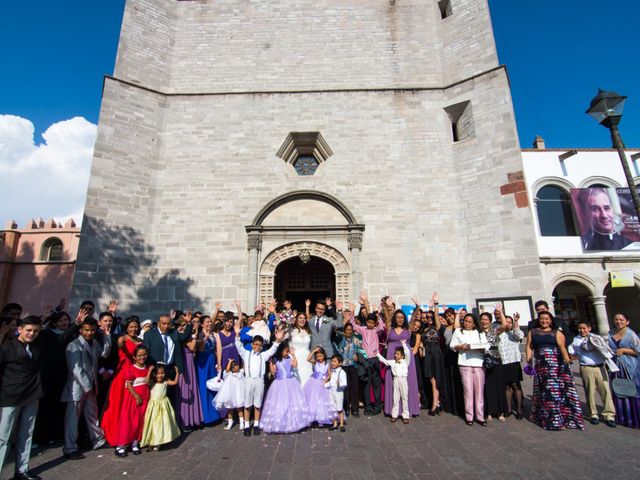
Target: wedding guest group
<point>277,370</point>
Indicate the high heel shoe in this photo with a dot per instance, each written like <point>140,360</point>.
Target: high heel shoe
<point>433,413</point>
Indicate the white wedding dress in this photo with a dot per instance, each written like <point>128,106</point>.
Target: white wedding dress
<point>300,341</point>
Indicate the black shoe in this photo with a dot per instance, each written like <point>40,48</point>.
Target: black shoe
<point>247,432</point>
<point>469,422</point>
<point>187,429</point>
<point>333,428</point>
<point>136,451</point>
<point>74,456</point>
<point>611,423</point>
<point>376,411</point>
<point>594,421</point>
<point>26,476</point>
<point>367,411</point>
<point>342,429</point>
<point>355,413</point>
<point>257,431</point>
<point>482,422</point>
<point>121,452</point>
<point>518,416</point>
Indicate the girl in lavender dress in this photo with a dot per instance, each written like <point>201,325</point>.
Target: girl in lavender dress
<point>285,408</point>
<point>318,397</point>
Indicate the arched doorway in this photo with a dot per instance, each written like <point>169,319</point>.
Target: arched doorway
<point>571,301</point>
<point>624,300</point>
<point>297,281</point>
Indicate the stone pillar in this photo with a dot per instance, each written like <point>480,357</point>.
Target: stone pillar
<point>354,242</point>
<point>254,245</point>
<point>600,307</point>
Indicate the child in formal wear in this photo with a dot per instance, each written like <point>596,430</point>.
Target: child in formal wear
<point>400,371</point>
<point>337,384</point>
<point>160,425</point>
<point>285,408</point>
<point>321,409</point>
<point>230,397</point>
<point>134,403</point>
<point>254,370</point>
<point>594,354</point>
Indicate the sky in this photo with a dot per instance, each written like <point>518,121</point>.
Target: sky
<point>53,59</point>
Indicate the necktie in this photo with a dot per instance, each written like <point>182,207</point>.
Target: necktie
<point>317,324</point>
<point>166,349</point>
<point>28,349</point>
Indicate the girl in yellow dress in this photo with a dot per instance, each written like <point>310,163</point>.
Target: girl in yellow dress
<point>160,425</point>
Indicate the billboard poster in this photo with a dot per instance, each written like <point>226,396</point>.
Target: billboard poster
<point>606,219</point>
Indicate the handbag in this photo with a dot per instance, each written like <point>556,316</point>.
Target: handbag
<point>488,361</point>
<point>624,387</point>
<point>215,384</point>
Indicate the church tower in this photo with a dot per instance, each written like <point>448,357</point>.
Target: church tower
<point>255,149</point>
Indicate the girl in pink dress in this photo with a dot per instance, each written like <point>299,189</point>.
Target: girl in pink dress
<point>134,403</point>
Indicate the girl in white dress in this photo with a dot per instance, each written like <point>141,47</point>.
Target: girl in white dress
<point>300,341</point>
<point>231,394</point>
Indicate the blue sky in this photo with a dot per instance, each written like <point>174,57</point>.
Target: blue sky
<point>53,62</point>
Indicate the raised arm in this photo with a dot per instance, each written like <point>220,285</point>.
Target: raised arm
<point>387,307</point>
<point>175,380</point>
<point>416,310</point>
<point>307,306</point>
<point>364,301</point>
<point>383,360</point>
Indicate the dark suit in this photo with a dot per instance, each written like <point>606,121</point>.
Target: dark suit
<point>20,391</point>
<point>155,344</point>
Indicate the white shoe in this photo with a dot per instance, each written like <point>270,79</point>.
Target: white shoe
<point>229,425</point>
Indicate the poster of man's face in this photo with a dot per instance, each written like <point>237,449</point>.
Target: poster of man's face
<point>606,218</point>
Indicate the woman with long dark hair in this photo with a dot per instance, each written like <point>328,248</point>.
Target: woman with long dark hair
<point>555,404</point>
<point>626,346</point>
<point>398,330</point>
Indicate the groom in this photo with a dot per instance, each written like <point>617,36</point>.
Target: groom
<point>322,327</point>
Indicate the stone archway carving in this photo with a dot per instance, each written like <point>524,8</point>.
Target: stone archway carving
<point>316,249</point>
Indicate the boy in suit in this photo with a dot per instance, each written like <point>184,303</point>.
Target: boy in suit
<point>80,391</point>
<point>20,392</point>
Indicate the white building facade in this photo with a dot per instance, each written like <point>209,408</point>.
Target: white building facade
<point>579,282</point>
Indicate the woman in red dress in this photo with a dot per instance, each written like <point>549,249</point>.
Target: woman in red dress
<point>134,403</point>
<point>111,418</point>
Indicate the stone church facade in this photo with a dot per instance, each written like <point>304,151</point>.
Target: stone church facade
<point>251,149</point>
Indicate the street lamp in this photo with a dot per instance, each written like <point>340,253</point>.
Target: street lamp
<point>606,108</point>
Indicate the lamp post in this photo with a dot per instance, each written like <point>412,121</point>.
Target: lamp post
<point>606,108</point>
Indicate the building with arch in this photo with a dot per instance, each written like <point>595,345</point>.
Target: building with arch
<point>579,282</point>
<point>375,140</point>
<point>37,263</point>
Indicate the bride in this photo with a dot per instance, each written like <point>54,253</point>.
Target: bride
<point>300,341</point>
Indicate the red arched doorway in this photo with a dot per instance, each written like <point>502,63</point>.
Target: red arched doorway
<point>297,281</point>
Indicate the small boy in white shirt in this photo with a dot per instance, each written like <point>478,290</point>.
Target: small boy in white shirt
<point>593,353</point>
<point>337,382</point>
<point>400,371</point>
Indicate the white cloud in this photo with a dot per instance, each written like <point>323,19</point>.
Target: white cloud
<point>47,180</point>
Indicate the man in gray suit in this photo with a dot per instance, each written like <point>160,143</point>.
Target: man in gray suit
<point>322,327</point>
<point>80,391</point>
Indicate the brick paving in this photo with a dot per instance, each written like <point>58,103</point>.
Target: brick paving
<point>372,448</point>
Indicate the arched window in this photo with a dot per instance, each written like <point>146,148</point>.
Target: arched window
<point>52,250</point>
<point>554,212</point>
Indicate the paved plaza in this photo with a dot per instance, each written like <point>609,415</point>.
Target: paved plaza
<point>372,448</point>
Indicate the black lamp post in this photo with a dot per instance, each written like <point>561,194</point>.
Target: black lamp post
<point>606,108</point>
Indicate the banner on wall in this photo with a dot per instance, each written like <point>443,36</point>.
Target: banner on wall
<point>408,309</point>
<point>606,219</point>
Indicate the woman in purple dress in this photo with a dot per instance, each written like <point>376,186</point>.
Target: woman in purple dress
<point>285,408</point>
<point>226,343</point>
<point>398,330</point>
<point>189,406</point>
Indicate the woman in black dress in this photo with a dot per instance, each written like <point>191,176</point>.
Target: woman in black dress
<point>433,362</point>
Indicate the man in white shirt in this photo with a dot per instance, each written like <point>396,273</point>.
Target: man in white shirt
<point>254,370</point>
<point>400,371</point>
